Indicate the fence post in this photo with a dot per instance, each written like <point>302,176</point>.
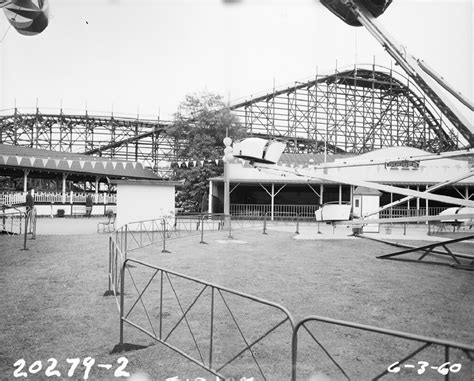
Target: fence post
<point>125,240</point>
<point>163,222</point>
<point>26,231</point>
<point>33,227</point>
<point>202,230</point>
<point>265,223</point>
<point>294,353</point>
<point>122,297</point>
<point>3,217</point>
<point>297,223</point>
<point>110,263</point>
<point>230,226</point>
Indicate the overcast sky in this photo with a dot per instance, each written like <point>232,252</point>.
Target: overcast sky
<point>146,55</point>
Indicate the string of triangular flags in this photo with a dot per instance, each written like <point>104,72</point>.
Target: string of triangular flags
<point>188,163</point>
<point>50,162</point>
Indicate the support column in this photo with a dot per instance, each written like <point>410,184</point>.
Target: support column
<point>26,172</point>
<point>418,202</point>
<point>408,204</point>
<point>226,189</point>
<point>427,205</point>
<point>272,196</point>
<point>391,202</point>
<point>321,194</point>
<point>63,193</point>
<point>209,203</point>
<point>351,194</point>
<point>96,196</point>
<point>340,194</point>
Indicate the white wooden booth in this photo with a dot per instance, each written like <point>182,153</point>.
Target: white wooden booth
<point>365,201</point>
<point>139,200</point>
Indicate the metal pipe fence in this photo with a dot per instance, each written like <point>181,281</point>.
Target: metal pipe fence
<point>380,368</point>
<point>186,313</point>
<point>140,234</point>
<point>12,220</point>
<point>200,319</point>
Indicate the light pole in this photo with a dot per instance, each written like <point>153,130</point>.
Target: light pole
<point>227,157</point>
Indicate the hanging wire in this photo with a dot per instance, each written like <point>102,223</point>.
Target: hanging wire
<point>9,26</point>
<point>5,34</point>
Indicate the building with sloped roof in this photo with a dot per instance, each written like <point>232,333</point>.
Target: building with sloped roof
<point>258,191</point>
<point>64,178</point>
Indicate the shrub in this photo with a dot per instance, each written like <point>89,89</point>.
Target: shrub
<point>60,213</point>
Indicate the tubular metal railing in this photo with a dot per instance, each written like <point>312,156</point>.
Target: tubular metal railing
<point>12,220</point>
<point>15,221</point>
<point>443,367</point>
<point>201,317</point>
<point>139,234</point>
<point>196,313</point>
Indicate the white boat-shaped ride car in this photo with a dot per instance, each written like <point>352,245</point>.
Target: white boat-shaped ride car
<point>332,212</point>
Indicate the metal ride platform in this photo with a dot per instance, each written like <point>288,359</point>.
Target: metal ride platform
<point>460,261</point>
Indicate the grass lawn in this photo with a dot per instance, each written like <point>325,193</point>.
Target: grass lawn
<point>53,305</point>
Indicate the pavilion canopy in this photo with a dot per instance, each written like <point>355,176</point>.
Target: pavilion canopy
<point>21,158</point>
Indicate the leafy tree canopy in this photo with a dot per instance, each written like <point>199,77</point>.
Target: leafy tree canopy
<point>199,128</point>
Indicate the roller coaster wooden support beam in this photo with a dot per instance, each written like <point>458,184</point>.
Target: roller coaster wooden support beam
<point>418,71</point>
<point>429,249</point>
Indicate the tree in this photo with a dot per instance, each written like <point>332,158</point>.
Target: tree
<point>200,126</point>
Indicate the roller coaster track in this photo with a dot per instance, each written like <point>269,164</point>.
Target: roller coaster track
<point>351,111</point>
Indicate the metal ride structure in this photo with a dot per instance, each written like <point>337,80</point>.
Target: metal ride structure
<point>364,13</point>
<point>28,17</point>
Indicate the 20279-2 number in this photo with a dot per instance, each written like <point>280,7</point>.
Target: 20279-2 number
<point>51,370</point>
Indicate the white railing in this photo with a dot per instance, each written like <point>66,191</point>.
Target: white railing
<point>48,197</point>
<point>259,210</point>
<point>17,198</point>
<point>12,198</point>
<point>412,212</point>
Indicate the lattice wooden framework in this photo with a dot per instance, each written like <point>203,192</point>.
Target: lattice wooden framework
<point>351,111</point>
